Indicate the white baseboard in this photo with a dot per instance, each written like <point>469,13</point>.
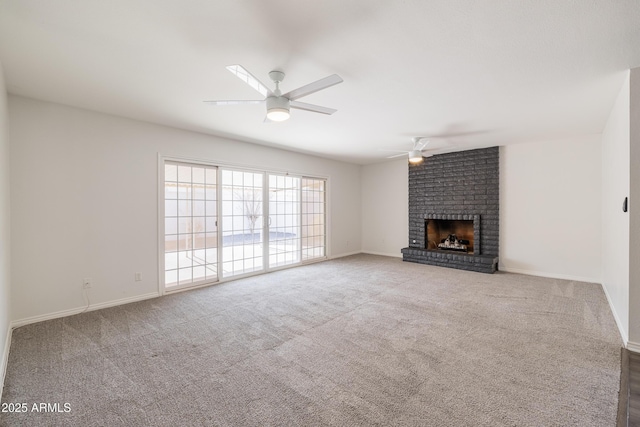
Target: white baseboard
<point>398,255</point>
<point>549,275</point>
<point>633,346</point>
<point>5,358</point>
<point>92,307</point>
<point>623,334</point>
<point>344,255</point>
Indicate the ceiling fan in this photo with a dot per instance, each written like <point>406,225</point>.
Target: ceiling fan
<point>416,154</point>
<point>278,105</point>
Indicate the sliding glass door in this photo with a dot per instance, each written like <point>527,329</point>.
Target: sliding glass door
<point>222,222</point>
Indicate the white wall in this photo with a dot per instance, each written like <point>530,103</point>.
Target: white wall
<point>550,208</point>
<point>5,238</point>
<point>634,208</point>
<point>84,201</point>
<point>385,204</point>
<point>615,223</point>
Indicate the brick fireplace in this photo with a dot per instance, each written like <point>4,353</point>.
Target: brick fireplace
<point>454,210</point>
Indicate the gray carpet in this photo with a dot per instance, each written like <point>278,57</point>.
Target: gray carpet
<point>362,340</point>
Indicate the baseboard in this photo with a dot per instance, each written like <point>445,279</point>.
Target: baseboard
<point>5,358</point>
<point>345,254</point>
<point>92,307</point>
<point>394,255</point>
<point>623,334</point>
<point>633,346</point>
<point>549,275</point>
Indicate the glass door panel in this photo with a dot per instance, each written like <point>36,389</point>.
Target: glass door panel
<point>313,218</point>
<point>284,220</point>
<point>242,222</point>
<point>190,213</point>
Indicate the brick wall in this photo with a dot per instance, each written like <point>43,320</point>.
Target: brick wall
<point>462,183</point>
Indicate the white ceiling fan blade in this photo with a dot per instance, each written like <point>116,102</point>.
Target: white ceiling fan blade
<point>393,151</point>
<point>311,107</point>
<point>422,144</point>
<point>398,155</point>
<point>236,102</point>
<point>240,72</point>
<point>305,90</point>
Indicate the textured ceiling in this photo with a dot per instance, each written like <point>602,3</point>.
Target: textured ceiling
<point>476,73</point>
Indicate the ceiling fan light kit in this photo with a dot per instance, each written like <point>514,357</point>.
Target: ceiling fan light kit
<point>415,156</point>
<point>278,105</point>
<point>278,108</point>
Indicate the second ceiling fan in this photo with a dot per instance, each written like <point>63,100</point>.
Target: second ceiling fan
<point>417,153</point>
<point>278,104</point>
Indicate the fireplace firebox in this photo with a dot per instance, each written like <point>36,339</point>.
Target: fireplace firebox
<point>456,233</point>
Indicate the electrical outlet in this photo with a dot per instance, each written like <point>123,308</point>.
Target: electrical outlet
<point>138,277</point>
<point>86,283</point>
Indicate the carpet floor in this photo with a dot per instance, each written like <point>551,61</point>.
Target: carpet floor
<point>362,340</point>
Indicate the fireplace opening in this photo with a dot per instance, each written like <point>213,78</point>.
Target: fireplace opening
<point>449,235</point>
